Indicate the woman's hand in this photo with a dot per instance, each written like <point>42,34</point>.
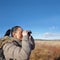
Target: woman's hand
<point>25,32</point>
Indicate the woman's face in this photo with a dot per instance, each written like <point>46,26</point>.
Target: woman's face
<point>18,34</point>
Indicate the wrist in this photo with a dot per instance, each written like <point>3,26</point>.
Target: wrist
<point>25,37</point>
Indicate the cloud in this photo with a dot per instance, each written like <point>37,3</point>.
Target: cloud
<point>52,28</point>
<point>36,35</point>
<point>47,35</point>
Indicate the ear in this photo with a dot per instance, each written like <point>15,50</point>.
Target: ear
<point>13,34</point>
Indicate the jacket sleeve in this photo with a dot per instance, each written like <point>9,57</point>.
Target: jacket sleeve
<point>15,52</point>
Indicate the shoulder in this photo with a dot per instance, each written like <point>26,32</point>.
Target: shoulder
<point>7,45</point>
<point>12,45</point>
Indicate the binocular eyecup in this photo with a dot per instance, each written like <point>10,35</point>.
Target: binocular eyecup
<point>29,33</point>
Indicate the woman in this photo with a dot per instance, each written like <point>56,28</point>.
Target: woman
<point>21,48</point>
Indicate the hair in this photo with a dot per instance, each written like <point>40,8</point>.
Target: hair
<point>7,32</point>
<point>10,31</point>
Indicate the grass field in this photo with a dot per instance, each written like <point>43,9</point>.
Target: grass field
<point>46,50</point>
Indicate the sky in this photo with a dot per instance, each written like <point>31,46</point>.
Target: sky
<point>42,17</point>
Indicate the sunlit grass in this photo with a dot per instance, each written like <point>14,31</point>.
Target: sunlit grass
<point>46,50</point>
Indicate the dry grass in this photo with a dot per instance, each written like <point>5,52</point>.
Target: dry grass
<point>46,50</point>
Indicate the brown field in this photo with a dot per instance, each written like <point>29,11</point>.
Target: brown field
<point>46,50</point>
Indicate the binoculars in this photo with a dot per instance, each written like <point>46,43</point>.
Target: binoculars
<point>29,33</point>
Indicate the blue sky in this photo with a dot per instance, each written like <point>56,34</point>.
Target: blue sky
<point>42,17</point>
